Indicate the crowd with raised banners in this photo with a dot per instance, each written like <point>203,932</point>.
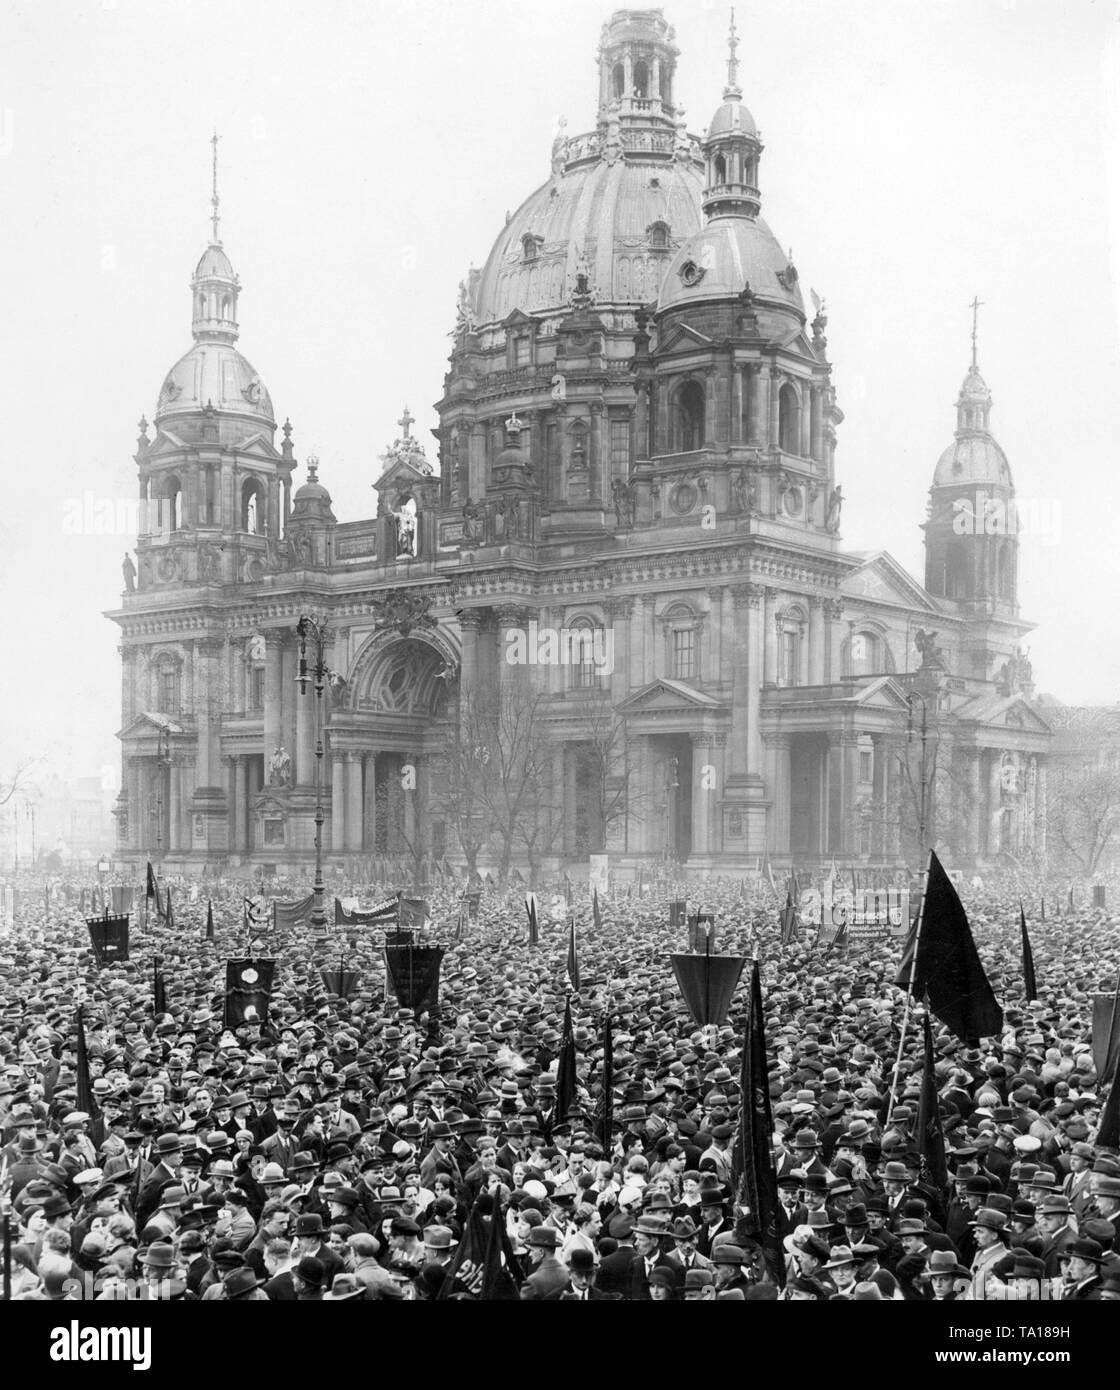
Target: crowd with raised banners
<point>555,1124</point>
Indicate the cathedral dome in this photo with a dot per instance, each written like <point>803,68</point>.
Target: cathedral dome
<point>624,217</point>
<point>214,263</point>
<point>312,501</point>
<point>729,254</point>
<point>214,373</point>
<point>731,119</point>
<point>972,458</point>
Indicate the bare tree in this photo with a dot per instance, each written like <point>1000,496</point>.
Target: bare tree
<point>606,777</point>
<point>1083,788</point>
<point>406,812</point>
<point>9,786</point>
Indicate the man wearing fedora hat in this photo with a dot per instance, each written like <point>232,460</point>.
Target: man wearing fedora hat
<point>1081,1262</point>
<point>989,1233</point>
<point>168,1147</point>
<point>651,1233</point>
<point>714,1220</point>
<point>1058,1232</point>
<point>242,1286</point>
<point>311,1240</point>
<point>950,1281</point>
<point>547,1274</point>
<point>685,1255</point>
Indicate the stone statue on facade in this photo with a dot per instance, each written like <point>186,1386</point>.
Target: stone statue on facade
<point>279,768</point>
<point>930,652</point>
<point>835,502</point>
<point>622,495</point>
<point>128,569</point>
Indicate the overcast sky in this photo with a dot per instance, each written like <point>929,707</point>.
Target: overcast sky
<point>918,152</point>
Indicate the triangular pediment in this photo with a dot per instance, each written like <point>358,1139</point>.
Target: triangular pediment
<point>881,693</point>
<point>667,694</point>
<point>1005,712</point>
<point>516,319</point>
<point>881,579</point>
<point>684,336</point>
<point>150,724</point>
<point>400,475</point>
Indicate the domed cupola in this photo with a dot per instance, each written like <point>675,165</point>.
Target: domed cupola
<point>732,149</point>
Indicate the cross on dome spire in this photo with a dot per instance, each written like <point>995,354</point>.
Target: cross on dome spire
<point>214,238</point>
<point>406,422</point>
<point>976,305</point>
<point>732,88</point>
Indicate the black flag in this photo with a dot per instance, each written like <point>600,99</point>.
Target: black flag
<point>1030,988</point>
<point>151,891</point>
<point>531,908</point>
<point>413,973</point>
<point>1108,1135</point>
<point>931,1136</point>
<point>209,920</point>
<point>573,959</point>
<point>85,1097</point>
<point>606,1101</point>
<point>169,915</point>
<point>788,918</point>
<point>159,992</point>
<point>752,1166</point>
<point>948,968</point>
<point>596,914</point>
<point>566,1067</point>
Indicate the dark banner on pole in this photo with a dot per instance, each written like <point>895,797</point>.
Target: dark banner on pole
<point>707,983</point>
<point>288,915</point>
<point>344,983</point>
<point>109,937</point>
<point>383,913</point>
<point>248,990</point>
<point>1106,1034</point>
<point>414,975</point>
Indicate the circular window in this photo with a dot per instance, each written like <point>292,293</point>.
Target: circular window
<point>691,273</point>
<point>793,501</point>
<point>683,498</point>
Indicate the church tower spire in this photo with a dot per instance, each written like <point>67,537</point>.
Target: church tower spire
<point>731,149</point>
<point>214,286</point>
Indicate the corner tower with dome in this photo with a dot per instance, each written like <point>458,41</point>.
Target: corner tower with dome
<point>629,544</point>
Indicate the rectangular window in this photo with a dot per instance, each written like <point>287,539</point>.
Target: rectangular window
<point>865,764</point>
<point>522,355</point>
<point>256,688</point>
<point>620,449</point>
<point>789,658</point>
<point>684,654</point>
<point>169,692</point>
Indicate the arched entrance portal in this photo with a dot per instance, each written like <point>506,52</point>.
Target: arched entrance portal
<point>386,741</point>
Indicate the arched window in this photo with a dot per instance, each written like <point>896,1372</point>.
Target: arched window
<point>171,505</point>
<point>719,169</point>
<point>252,507</point>
<point>530,247</point>
<point>666,85</point>
<point>956,570</point>
<point>618,81</point>
<point>167,686</point>
<point>682,634</point>
<point>690,417</point>
<point>641,79</point>
<point>1003,572</point>
<point>791,631</point>
<point>751,173</point>
<point>865,656</point>
<point>201,306</point>
<point>789,419</point>
<point>580,652</point>
<point>225,306</point>
<point>658,236</point>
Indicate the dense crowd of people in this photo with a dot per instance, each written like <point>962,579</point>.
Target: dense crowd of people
<point>349,1150</point>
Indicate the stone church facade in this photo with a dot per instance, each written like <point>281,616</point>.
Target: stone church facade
<point>633,523</point>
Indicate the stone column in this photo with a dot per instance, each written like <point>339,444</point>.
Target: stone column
<point>174,807</point>
<point>289,695</point>
<point>737,398</point>
<point>338,802</point>
<point>713,416</point>
<point>238,802</point>
<point>995,804</point>
<point>619,610</point>
<point>805,421</point>
<point>305,732</point>
<point>703,798</point>
<point>974,795</point>
<point>597,485</point>
<point>369,821</point>
<point>891,776</point>
<point>353,836</point>
<point>770,639</point>
<point>470,621</point>
<point>816,424</point>
<point>850,743</point>
<point>274,641</point>
<point>879,795</point>
<point>650,637</point>
<point>803,653</point>
<point>778,789</point>
<point>1040,809</point>
<point>760,405</point>
<point>833,640</point>
<point>775,417</point>
<point>816,641</point>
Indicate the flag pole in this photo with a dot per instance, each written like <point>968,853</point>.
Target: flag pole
<point>909,991</point>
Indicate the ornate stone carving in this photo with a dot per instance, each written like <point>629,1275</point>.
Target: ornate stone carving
<point>402,611</point>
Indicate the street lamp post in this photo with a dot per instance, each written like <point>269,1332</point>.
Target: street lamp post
<point>163,760</point>
<point>924,783</point>
<point>671,785</point>
<point>313,634</point>
<point>30,810</point>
